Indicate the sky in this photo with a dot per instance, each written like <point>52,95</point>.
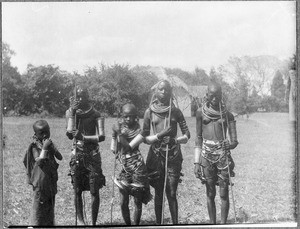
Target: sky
<point>175,34</point>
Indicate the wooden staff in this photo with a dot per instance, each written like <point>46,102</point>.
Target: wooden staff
<point>115,161</point>
<point>75,152</point>
<point>166,166</point>
<point>227,161</point>
<point>113,186</point>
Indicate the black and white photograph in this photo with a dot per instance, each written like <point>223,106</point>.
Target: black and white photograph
<point>149,113</point>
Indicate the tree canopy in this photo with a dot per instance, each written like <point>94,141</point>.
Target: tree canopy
<point>45,90</point>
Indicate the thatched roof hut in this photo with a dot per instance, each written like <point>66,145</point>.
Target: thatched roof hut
<point>188,97</point>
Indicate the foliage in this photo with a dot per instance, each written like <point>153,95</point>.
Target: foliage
<point>40,90</point>
<point>45,90</point>
<point>254,102</point>
<point>273,103</point>
<point>48,88</point>
<point>237,94</point>
<point>201,75</point>
<point>7,53</point>
<point>241,98</point>
<point>258,71</point>
<point>145,80</point>
<point>215,76</point>
<point>111,87</point>
<point>278,88</point>
<point>250,83</point>
<point>12,85</point>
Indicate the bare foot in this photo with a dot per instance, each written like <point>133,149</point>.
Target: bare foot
<point>80,222</point>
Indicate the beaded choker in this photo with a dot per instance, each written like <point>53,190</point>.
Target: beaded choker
<point>212,113</point>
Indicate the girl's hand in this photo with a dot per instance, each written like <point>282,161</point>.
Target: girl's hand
<point>47,143</point>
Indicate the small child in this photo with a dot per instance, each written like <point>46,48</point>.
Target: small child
<point>133,179</point>
<point>41,168</point>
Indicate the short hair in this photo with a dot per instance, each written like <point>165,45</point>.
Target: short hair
<point>131,107</point>
<point>215,85</point>
<point>164,81</point>
<point>40,124</point>
<point>83,91</point>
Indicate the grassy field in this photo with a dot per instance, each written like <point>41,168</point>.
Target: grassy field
<point>263,185</point>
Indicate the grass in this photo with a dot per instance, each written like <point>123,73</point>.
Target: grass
<point>263,186</point>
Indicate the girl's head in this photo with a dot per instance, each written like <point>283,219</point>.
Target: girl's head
<point>82,96</point>
<point>214,94</point>
<point>129,114</point>
<point>164,91</point>
<point>41,129</point>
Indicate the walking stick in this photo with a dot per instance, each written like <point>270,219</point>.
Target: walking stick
<point>115,163</point>
<point>166,167</point>
<point>227,161</point>
<point>113,186</point>
<point>75,152</point>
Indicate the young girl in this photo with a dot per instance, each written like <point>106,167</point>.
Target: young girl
<point>133,179</point>
<point>42,174</point>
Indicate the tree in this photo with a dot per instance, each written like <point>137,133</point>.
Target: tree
<point>272,104</point>
<point>49,89</point>
<point>241,100</point>
<point>146,80</point>
<point>254,101</point>
<point>112,86</point>
<point>252,80</point>
<point>258,70</point>
<point>215,76</point>
<point>7,53</point>
<point>202,76</point>
<point>12,85</point>
<point>278,87</point>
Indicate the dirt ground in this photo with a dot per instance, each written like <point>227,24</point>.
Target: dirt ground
<point>263,186</point>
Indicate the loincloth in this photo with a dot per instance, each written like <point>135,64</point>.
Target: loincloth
<point>86,170</point>
<point>215,161</point>
<point>136,183</point>
<point>156,165</point>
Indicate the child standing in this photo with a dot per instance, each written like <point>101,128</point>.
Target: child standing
<point>41,168</point>
<point>133,179</point>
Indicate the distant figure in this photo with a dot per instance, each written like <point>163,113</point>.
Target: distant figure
<point>212,150</point>
<point>85,163</point>
<point>42,174</point>
<point>133,179</point>
<point>291,90</point>
<point>161,112</point>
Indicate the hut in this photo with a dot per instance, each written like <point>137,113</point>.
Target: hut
<point>188,98</point>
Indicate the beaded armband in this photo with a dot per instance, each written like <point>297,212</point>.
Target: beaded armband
<point>100,123</point>
<point>71,124</point>
<point>232,131</point>
<point>197,155</point>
